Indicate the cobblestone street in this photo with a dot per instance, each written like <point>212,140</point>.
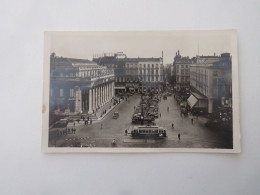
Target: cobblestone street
<point>102,132</point>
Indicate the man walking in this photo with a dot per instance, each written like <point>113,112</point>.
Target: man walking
<point>179,136</point>
<point>191,120</point>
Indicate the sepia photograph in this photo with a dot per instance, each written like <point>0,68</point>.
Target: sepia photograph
<point>141,91</point>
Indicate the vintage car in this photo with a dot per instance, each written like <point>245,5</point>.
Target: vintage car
<point>116,115</point>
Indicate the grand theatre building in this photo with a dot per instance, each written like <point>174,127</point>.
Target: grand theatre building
<point>79,85</point>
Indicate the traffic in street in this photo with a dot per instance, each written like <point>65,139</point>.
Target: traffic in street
<point>114,130</point>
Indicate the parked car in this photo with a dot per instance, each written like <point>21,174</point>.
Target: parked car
<point>116,115</point>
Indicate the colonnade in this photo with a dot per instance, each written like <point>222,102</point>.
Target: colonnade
<point>100,95</point>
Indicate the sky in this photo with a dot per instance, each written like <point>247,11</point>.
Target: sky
<point>85,45</point>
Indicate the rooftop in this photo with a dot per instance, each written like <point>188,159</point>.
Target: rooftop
<point>61,61</point>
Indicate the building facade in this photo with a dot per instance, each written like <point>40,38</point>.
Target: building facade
<point>150,73</point>
<point>134,74</point>
<point>79,85</point>
<point>211,82</point>
<point>181,72</point>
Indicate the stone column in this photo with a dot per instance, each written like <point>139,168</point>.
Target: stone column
<point>106,93</point>
<point>109,91</point>
<point>101,95</point>
<point>111,94</point>
<point>90,109</point>
<point>97,97</point>
<point>78,97</point>
<point>113,89</point>
<point>100,98</point>
<point>94,99</point>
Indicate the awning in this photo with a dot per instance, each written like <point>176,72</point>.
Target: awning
<point>192,101</point>
<point>119,87</point>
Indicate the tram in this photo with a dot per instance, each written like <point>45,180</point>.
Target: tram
<point>148,132</point>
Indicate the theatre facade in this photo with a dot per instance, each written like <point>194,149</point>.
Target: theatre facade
<point>79,86</point>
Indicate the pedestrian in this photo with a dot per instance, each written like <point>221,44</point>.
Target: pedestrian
<point>168,109</point>
<point>179,136</point>
<point>101,126</point>
<point>172,125</point>
<point>74,130</point>
<point>126,132</point>
<point>68,130</point>
<point>160,115</point>
<point>191,120</point>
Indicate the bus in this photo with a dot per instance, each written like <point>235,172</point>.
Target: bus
<point>148,132</point>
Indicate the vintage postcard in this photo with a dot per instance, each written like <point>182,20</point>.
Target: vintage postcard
<point>141,91</point>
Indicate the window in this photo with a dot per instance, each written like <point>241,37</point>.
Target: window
<point>61,92</point>
<point>71,92</point>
